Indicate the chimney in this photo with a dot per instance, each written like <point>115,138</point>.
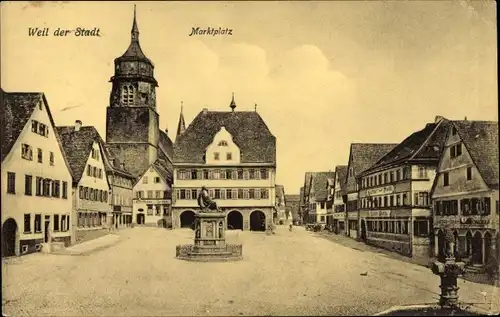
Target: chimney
<point>438,118</point>
<point>78,125</point>
<point>205,110</point>
<point>465,119</point>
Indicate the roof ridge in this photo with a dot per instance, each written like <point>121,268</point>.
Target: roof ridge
<point>438,125</point>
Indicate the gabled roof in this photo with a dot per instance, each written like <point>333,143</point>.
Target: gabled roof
<point>307,183</point>
<point>77,146</point>
<point>249,131</point>
<point>341,172</point>
<point>319,180</point>
<point>17,108</point>
<point>481,140</point>
<point>426,144</point>
<point>162,171</point>
<point>166,145</point>
<point>362,156</point>
<point>112,163</point>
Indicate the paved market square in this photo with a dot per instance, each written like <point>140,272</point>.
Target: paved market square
<point>289,273</point>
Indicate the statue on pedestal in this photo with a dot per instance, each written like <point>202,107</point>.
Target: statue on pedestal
<point>206,203</point>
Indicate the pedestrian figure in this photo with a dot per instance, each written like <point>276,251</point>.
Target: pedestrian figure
<point>291,226</point>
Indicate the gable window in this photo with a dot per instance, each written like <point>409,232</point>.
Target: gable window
<point>422,172</point>
<point>27,152</point>
<point>34,126</point>
<point>51,159</point>
<point>40,156</point>
<point>145,180</point>
<point>216,156</point>
<point>27,223</point>
<point>229,156</point>
<point>469,173</point>
<point>157,180</point>
<point>11,183</point>
<point>456,150</point>
<point>89,170</point>
<point>223,143</point>
<point>453,131</point>
<point>446,180</point>
<point>28,185</point>
<point>42,129</point>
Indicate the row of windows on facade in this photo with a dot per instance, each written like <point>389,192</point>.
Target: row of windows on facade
<point>158,194</point>
<point>44,187</point>
<point>27,154</point>
<point>392,176</point>
<point>156,180</point>
<point>60,223</point>
<point>39,128</point>
<point>93,171</point>
<point>216,193</point>
<point>90,219</point>
<point>446,176</point>
<point>156,210</point>
<point>121,200</point>
<point>92,194</point>
<point>223,174</point>
<point>420,199</point>
<point>469,206</point>
<point>121,181</point>
<point>420,226</point>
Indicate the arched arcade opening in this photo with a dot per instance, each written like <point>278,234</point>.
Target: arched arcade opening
<point>257,221</point>
<point>187,219</point>
<point>234,220</point>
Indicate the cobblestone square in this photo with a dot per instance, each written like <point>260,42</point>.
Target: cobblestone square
<point>289,273</point>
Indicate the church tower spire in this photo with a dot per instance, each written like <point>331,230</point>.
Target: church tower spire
<point>135,29</point>
<point>181,127</point>
<point>132,120</point>
<point>233,103</point>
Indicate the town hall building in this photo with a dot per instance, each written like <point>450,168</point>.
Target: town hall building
<point>233,154</point>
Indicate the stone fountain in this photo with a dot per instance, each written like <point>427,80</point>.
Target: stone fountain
<point>448,304</point>
<point>449,271</point>
<point>210,240</point>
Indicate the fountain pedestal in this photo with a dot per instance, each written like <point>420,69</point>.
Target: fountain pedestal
<point>210,241</point>
<point>449,271</point>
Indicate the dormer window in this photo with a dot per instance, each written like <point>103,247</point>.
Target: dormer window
<point>216,156</point>
<point>128,95</point>
<point>223,143</point>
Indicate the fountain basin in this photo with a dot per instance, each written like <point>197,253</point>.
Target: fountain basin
<point>433,310</point>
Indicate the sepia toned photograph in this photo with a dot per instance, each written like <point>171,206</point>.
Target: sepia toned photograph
<point>249,158</point>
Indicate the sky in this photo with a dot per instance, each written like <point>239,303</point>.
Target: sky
<point>323,74</point>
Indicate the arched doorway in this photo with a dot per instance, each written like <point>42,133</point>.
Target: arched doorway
<point>488,240</point>
<point>187,219</point>
<point>477,248</point>
<point>363,230</point>
<point>441,245</point>
<point>468,244</point>
<point>140,219</point>
<point>9,237</point>
<point>234,220</point>
<point>257,221</point>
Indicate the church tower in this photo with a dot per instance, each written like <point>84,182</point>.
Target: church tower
<point>132,121</point>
